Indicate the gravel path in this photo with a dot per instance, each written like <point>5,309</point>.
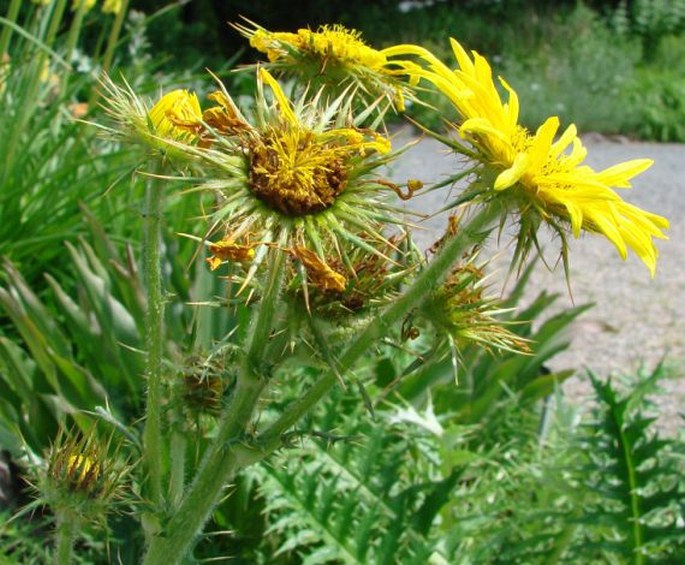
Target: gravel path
<point>637,321</point>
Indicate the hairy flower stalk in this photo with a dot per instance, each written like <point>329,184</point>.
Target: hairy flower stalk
<point>157,129</point>
<point>536,175</point>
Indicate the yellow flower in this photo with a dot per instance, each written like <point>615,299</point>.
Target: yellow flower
<point>335,57</point>
<point>82,469</point>
<point>84,475</point>
<point>538,172</point>
<point>298,179</point>
<point>175,114</point>
<point>297,170</point>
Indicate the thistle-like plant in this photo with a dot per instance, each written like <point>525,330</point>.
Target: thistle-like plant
<point>318,274</point>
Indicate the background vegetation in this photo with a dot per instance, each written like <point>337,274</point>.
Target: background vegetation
<point>611,67</point>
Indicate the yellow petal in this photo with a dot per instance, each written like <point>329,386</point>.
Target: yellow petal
<point>569,136</point>
<point>511,176</point>
<point>283,103</point>
<point>619,175</point>
<point>512,108</point>
<point>464,61</point>
<point>484,127</point>
<point>542,142</point>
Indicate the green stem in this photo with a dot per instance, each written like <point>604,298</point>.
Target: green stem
<point>154,325</point>
<point>474,232</point>
<point>177,462</point>
<point>114,37</point>
<point>55,22</point>
<point>226,455</point>
<point>66,531</point>
<point>74,33</point>
<point>633,486</point>
<point>12,14</point>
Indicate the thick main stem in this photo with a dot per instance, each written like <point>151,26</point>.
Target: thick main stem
<point>226,455</point>
<point>154,326</point>
<point>66,530</point>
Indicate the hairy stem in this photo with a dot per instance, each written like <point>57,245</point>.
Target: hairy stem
<point>66,531</point>
<point>177,464</point>
<point>226,455</point>
<point>154,325</point>
<point>474,232</point>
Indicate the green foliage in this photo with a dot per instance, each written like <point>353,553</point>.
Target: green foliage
<point>349,504</point>
<point>48,156</point>
<point>635,479</point>
<point>650,20</point>
<point>416,487</point>
<point>660,106</point>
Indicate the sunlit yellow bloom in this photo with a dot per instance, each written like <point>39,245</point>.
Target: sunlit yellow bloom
<point>336,43</point>
<point>335,57</point>
<point>542,174</point>
<point>111,6</point>
<point>175,113</point>
<point>297,170</point>
<point>297,179</point>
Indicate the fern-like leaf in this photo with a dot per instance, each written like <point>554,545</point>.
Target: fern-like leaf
<point>636,480</point>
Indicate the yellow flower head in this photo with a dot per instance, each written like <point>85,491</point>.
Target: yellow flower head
<point>175,114</point>
<point>81,470</point>
<point>298,170</point>
<point>84,475</point>
<point>297,179</point>
<point>335,57</point>
<point>544,176</point>
<point>169,127</point>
